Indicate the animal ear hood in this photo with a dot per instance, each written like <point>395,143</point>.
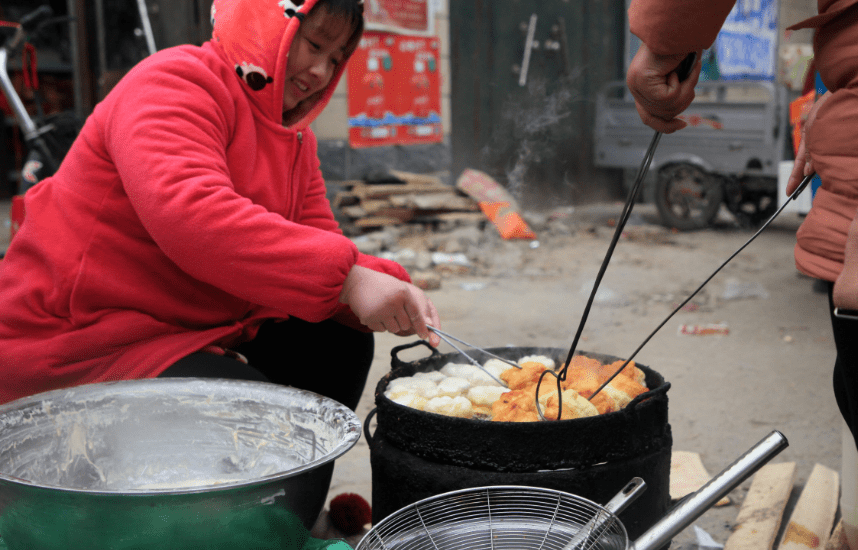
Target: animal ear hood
<point>254,36</point>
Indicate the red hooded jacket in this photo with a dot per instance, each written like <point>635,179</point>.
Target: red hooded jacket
<point>184,216</point>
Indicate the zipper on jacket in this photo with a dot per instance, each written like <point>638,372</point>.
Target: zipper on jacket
<point>301,137</point>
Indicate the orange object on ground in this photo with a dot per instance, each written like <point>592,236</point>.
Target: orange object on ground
<point>496,203</point>
<point>509,222</point>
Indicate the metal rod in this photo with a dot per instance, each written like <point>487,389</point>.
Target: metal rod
<point>468,357</point>
<point>794,195</point>
<point>704,498</point>
<point>624,216</point>
<point>147,27</point>
<point>528,48</point>
<point>490,354</point>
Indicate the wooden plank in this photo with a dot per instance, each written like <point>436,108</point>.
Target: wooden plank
<point>813,517</point>
<point>420,179</point>
<point>383,191</point>
<point>837,540</point>
<point>435,201</point>
<point>353,211</point>
<point>376,221</point>
<point>760,516</point>
<point>687,474</point>
<point>371,206</point>
<point>344,199</point>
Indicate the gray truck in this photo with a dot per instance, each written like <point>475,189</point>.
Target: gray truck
<point>738,132</point>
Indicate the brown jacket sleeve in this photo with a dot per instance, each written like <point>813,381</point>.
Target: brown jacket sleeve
<point>678,26</point>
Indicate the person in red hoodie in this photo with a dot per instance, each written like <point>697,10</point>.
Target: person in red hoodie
<point>187,232</point>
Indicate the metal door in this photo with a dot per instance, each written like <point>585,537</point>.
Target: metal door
<point>524,77</point>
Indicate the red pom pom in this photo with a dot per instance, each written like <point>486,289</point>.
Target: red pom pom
<point>350,512</point>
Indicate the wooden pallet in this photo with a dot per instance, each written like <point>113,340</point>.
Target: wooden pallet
<point>421,199</point>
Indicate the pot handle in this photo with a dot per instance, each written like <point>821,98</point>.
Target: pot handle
<point>396,362</point>
<point>366,433</point>
<point>646,395</point>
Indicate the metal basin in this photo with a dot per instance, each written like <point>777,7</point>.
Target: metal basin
<point>167,463</point>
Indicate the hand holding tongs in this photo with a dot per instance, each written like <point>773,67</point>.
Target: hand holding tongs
<point>449,338</point>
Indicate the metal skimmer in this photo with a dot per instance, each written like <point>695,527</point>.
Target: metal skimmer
<point>494,518</point>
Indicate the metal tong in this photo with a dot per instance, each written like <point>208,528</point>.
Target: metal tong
<point>562,375</point>
<point>450,338</point>
<point>683,70</point>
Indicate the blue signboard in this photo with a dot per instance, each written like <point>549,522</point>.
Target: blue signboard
<point>746,47</point>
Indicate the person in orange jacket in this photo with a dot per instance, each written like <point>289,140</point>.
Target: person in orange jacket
<point>827,241</point>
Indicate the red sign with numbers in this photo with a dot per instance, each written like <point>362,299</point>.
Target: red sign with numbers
<point>394,91</point>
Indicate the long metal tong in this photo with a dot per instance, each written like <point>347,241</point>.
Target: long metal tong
<point>562,374</point>
<point>683,70</point>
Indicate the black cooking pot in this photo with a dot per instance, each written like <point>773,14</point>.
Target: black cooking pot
<point>641,428</point>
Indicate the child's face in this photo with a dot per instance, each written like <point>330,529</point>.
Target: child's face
<point>314,55</point>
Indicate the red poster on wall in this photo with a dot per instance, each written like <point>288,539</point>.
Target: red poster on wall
<point>401,16</point>
<point>394,91</point>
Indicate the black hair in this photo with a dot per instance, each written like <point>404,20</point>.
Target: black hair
<point>352,13</point>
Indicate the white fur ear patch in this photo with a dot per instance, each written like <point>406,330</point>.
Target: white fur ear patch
<point>253,76</point>
<point>290,8</point>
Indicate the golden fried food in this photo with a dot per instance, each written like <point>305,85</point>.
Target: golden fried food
<point>574,406</point>
<point>631,370</point>
<point>527,375</point>
<point>515,406</point>
<point>628,385</point>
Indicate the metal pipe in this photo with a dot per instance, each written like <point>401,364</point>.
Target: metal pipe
<point>147,26</point>
<point>21,115</point>
<point>77,86</point>
<point>704,498</point>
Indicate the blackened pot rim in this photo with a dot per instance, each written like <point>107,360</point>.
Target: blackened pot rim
<point>522,446</point>
<point>409,369</point>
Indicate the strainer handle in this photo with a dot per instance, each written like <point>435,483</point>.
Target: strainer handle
<point>602,521</point>
<point>704,498</point>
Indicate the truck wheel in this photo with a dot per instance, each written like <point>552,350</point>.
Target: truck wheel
<point>687,197</point>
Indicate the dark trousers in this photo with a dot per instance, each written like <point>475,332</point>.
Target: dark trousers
<point>845,366</point>
<point>326,358</point>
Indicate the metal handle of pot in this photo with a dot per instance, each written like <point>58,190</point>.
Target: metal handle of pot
<point>396,362</point>
<point>704,498</point>
<point>366,433</point>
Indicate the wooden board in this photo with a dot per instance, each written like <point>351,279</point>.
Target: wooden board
<point>813,517</point>
<point>435,201</point>
<point>837,540</point>
<point>687,474</point>
<point>382,191</point>
<point>411,177</point>
<point>760,516</point>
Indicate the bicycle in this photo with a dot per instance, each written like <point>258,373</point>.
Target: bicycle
<point>47,138</point>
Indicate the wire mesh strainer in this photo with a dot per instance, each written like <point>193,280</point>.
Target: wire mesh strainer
<point>496,518</point>
<point>533,518</point>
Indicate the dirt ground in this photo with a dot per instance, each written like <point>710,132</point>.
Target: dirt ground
<point>772,371</point>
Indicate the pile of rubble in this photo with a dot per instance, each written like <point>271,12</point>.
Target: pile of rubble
<point>397,198</point>
<point>435,230</point>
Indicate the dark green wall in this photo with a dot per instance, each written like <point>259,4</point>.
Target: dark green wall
<point>535,139</point>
